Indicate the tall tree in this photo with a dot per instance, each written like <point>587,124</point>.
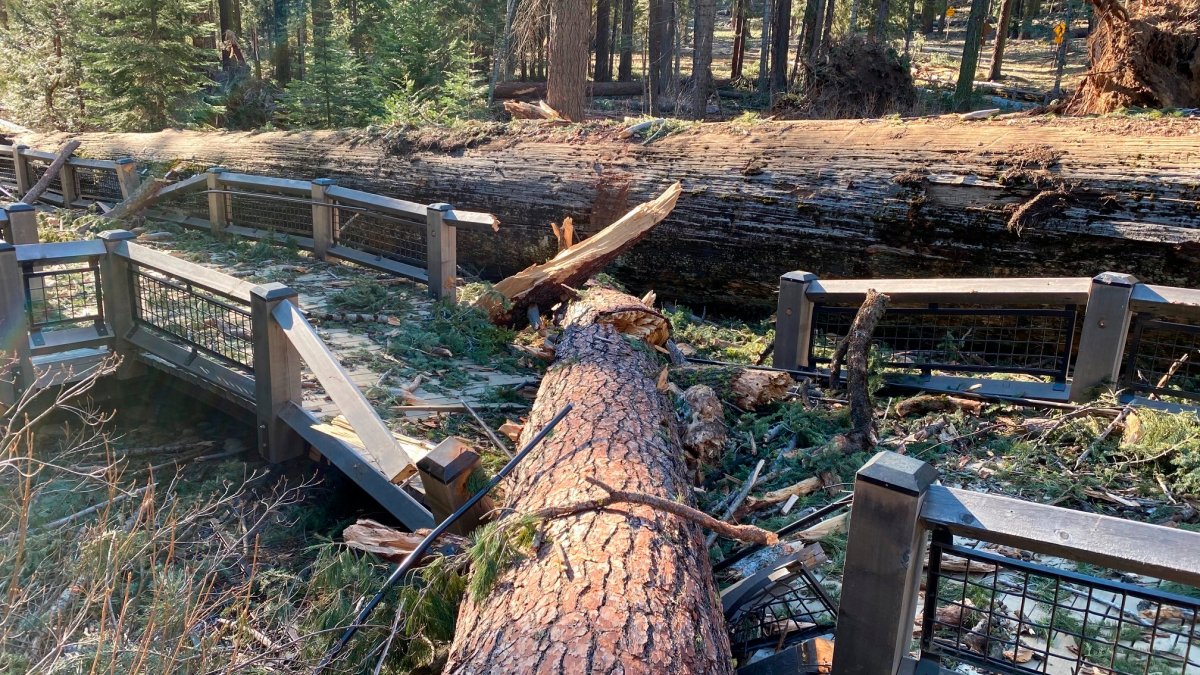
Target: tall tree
<point>566,82</point>
<point>143,72</point>
<point>811,26</point>
<point>970,57</point>
<point>603,73</point>
<point>878,30</point>
<point>281,53</point>
<point>764,49</point>
<point>781,33</point>
<point>660,44</point>
<point>625,65</point>
<point>702,48</point>
<point>827,29</point>
<point>1001,37</point>
<point>740,14</point>
<point>928,14</point>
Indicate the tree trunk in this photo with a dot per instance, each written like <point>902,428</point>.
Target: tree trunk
<point>626,589</point>
<point>842,199</point>
<point>625,66</point>
<point>853,17</point>
<point>281,57</point>
<point>603,14</point>
<point>970,57</point>
<point>781,37</point>
<point>764,50</point>
<point>532,91</point>
<point>1001,37</point>
<point>827,29</point>
<point>928,14</point>
<point>811,28</point>
<point>702,48</point>
<point>660,42</point>
<point>883,9</point>
<point>739,39</point>
<point>566,84</point>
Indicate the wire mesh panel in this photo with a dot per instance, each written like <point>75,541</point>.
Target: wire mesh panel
<point>63,296</point>
<point>381,235</point>
<point>791,608</point>
<point>1030,341</point>
<point>98,184</point>
<point>8,170</point>
<point>277,214</point>
<point>37,168</point>
<point>1008,615</point>
<point>1163,358</point>
<point>201,320</point>
<point>190,204</point>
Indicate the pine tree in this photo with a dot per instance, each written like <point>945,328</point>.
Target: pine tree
<point>41,72</point>
<point>142,70</point>
<point>336,91</point>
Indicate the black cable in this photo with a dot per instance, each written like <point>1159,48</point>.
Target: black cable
<point>418,552</point>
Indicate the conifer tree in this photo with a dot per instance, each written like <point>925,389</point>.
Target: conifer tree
<point>142,70</point>
<point>41,73</point>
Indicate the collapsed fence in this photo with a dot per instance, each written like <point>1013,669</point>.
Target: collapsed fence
<point>401,237</point>
<point>1052,339</point>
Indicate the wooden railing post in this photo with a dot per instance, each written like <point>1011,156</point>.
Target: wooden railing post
<point>118,298</point>
<point>127,176</point>
<point>22,220</point>
<point>218,216</point>
<point>793,321</point>
<point>884,557</point>
<point>16,369</point>
<point>276,374</point>
<point>441,261</point>
<point>322,217</point>
<point>21,169</point>
<point>70,192</point>
<point>1105,327</point>
<point>444,473</point>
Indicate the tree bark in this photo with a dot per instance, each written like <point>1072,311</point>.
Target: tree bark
<point>625,66</point>
<point>764,49</point>
<point>970,57</point>
<point>532,91</point>
<point>827,30</point>
<point>739,39</point>
<point>842,199</point>
<point>660,44</point>
<point>628,588</point>
<point>702,47</point>
<point>281,57</point>
<point>603,15</point>
<point>811,29</point>
<point>928,14</point>
<point>1001,38</point>
<point>883,9</point>
<point>781,37</point>
<point>566,83</point>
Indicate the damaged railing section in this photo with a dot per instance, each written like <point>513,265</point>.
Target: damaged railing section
<point>1008,586</point>
<point>81,181</point>
<point>1043,338</point>
<point>405,238</point>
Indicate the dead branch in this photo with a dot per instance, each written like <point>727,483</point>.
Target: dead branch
<point>855,349</point>
<point>741,497</point>
<point>745,533</point>
<point>64,153</point>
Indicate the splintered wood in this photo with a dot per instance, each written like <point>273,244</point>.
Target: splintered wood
<point>551,282</point>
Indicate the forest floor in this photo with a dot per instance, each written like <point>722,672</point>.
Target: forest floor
<point>222,560</point>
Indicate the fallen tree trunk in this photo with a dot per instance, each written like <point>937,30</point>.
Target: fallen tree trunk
<point>626,588</point>
<point>51,172</point>
<point>870,198</point>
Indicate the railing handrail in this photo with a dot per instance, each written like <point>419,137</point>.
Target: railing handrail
<point>59,251</point>
<point>1028,290</point>
<point>1172,300</point>
<point>198,275</point>
<point>1126,545</point>
<point>370,200</point>
<point>268,183</point>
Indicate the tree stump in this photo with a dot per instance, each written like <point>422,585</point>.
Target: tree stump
<point>626,588</point>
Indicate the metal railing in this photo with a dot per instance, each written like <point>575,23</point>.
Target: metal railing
<point>393,235</point>
<point>70,303</point>
<point>80,182</point>
<point>1009,586</point>
<point>976,334</point>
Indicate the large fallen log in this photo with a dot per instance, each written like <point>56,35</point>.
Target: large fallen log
<point>627,588</point>
<point>851,198</point>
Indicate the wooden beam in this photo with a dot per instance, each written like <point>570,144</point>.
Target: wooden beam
<point>377,439</point>
<point>1130,546</point>
<point>793,321</point>
<point>1105,327</point>
<point>1049,291</point>
<point>276,372</point>
<point>53,170</point>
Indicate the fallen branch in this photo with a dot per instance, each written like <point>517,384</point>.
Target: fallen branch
<point>64,153</point>
<point>145,195</point>
<point>532,111</point>
<point>741,497</point>
<point>854,348</point>
<point>746,533</point>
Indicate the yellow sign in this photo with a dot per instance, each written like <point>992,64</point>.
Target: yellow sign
<point>1058,39</point>
<point>949,12</point>
<point>1060,29</point>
